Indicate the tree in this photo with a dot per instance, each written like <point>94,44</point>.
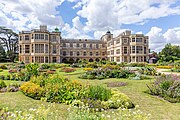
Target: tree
<point>2,54</point>
<point>170,53</point>
<point>9,40</point>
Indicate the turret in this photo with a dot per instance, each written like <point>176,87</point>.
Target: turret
<point>107,37</point>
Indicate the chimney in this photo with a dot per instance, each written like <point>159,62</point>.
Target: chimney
<point>43,27</point>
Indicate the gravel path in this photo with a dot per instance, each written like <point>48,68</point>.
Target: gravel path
<point>167,73</point>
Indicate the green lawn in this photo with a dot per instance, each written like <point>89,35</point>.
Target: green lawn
<point>157,107</point>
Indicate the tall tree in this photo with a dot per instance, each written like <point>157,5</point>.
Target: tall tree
<point>2,54</point>
<point>9,40</point>
<point>170,53</point>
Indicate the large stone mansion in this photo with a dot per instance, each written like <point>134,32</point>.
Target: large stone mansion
<point>42,46</point>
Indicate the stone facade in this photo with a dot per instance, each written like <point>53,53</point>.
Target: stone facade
<point>42,46</point>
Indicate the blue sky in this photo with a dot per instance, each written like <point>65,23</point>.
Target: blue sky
<point>159,19</point>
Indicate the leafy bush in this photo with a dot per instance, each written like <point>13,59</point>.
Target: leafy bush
<point>32,90</point>
<point>136,64</point>
<point>88,69</point>
<point>164,67</point>
<point>2,84</point>
<point>106,73</point>
<point>99,93</point>
<point>167,87</point>
<point>92,65</point>
<point>118,100</point>
<point>32,68</point>
<point>1,70</point>
<point>147,71</point>
<point>3,66</point>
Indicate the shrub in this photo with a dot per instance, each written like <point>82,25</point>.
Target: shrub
<point>32,90</point>
<point>99,93</point>
<point>118,100</point>
<point>2,77</point>
<point>92,65</point>
<point>136,64</point>
<point>44,66</point>
<point>32,68</point>
<point>164,67</point>
<point>2,84</point>
<point>3,66</point>
<point>147,71</point>
<point>1,70</point>
<point>167,87</point>
<point>88,69</point>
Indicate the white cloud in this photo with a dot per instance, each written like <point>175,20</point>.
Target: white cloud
<point>27,14</point>
<point>158,39</point>
<point>103,14</point>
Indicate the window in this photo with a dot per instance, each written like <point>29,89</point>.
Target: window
<point>90,45</point>
<point>97,53</point>
<point>46,60</point>
<point>71,53</point>
<point>103,53</point>
<point>64,53</point>
<point>97,46</point>
<point>54,59</point>
<point>138,39</point>
<point>64,44</point>
<point>118,51</point>
<point>145,41</point>
<point>108,52</point>
<point>133,49</point>
<point>32,48</point>
<point>39,59</point>
<point>84,54</point>
<point>46,37</point>
<point>39,36</point>
<point>32,36</point>
<point>77,53</point>
<point>26,37</point>
<point>46,48</point>
<point>145,50</point>
<point>112,52</point>
<point>77,44</point>
<point>39,48</point>
<point>144,58</point>
<point>54,49</point>
<point>84,45</point>
<point>27,49</point>
<point>91,53</point>
<point>112,58</point>
<point>117,59</point>
<point>20,48</point>
<point>125,40</point>
<point>125,58</point>
<point>26,59</point>
<point>117,41</point>
<point>139,49</point>
<point>125,50</point>
<point>133,39</point>
<point>71,44</point>
<point>20,38</point>
<point>53,38</point>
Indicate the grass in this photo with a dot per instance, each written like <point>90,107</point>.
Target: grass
<point>157,107</point>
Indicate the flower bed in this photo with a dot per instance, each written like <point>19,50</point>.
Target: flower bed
<point>167,87</point>
<point>56,89</point>
<point>106,73</point>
